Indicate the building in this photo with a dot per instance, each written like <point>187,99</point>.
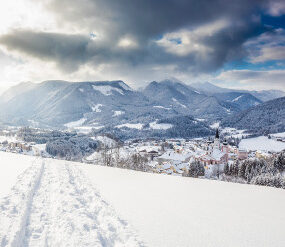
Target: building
<point>242,154</point>
<point>217,140</point>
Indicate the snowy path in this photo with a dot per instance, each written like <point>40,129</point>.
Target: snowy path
<point>56,205</point>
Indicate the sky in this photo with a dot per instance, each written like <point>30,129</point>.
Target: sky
<point>235,44</point>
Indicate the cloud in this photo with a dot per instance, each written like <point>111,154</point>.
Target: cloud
<point>276,8</point>
<point>269,46</point>
<point>141,33</point>
<point>255,79</point>
<point>66,50</point>
<point>142,40</point>
<point>147,19</point>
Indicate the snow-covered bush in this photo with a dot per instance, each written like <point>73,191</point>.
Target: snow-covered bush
<point>196,169</point>
<point>71,148</point>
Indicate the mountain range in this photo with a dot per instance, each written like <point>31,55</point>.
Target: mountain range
<point>263,95</point>
<point>109,105</point>
<point>265,118</point>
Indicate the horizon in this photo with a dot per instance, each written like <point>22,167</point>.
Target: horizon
<point>237,45</point>
<point>139,88</point>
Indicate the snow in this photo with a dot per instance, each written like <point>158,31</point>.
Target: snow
<point>237,98</point>
<point>11,165</point>
<point>172,155</point>
<point>217,154</point>
<point>106,141</point>
<point>81,90</point>
<point>215,125</point>
<point>117,113</point>
<point>201,119</point>
<point>94,156</point>
<point>131,126</point>
<point>53,203</point>
<point>8,138</point>
<point>33,123</point>
<point>261,143</point>
<point>61,203</point>
<point>160,126</point>
<point>177,102</point>
<point>40,147</point>
<point>97,127</point>
<point>282,134</point>
<point>125,86</point>
<point>75,123</point>
<point>234,132</point>
<point>227,110</point>
<point>197,92</point>
<point>86,129</point>
<point>178,211</point>
<point>148,148</point>
<point>107,90</point>
<point>96,108</point>
<point>161,107</point>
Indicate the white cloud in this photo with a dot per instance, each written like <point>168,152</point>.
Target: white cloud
<point>84,17</point>
<point>250,79</point>
<point>276,8</point>
<point>269,54</point>
<point>28,14</point>
<point>269,46</point>
<point>127,42</point>
<point>185,42</point>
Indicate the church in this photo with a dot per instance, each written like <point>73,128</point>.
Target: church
<point>216,153</point>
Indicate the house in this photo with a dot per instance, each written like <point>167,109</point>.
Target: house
<point>242,154</point>
<point>213,158</point>
<point>261,155</point>
<point>172,156</point>
<point>20,146</point>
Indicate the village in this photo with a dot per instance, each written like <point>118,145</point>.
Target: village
<point>174,156</point>
<point>169,156</point>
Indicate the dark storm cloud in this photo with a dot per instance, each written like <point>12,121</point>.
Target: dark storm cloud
<point>144,22</point>
<point>63,49</point>
<point>147,18</point>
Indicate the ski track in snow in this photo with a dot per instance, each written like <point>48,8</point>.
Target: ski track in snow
<point>56,205</point>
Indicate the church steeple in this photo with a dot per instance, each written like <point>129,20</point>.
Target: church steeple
<point>217,134</point>
<point>217,140</point>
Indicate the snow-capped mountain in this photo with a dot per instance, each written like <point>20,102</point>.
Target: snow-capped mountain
<point>263,95</point>
<point>109,105</point>
<point>268,117</point>
<point>58,103</point>
<point>185,100</point>
<point>209,88</point>
<point>238,100</point>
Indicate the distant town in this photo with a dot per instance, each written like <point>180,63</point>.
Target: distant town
<point>213,157</point>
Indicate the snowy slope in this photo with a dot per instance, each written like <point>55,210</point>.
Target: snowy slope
<point>64,206</point>
<point>54,204</point>
<point>178,211</point>
<point>262,143</point>
<point>9,172</point>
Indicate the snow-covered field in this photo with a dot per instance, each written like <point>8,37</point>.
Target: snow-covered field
<point>138,126</point>
<point>282,134</point>
<point>54,204</point>
<point>60,203</point>
<point>261,143</point>
<point>11,165</point>
<point>160,126</point>
<point>8,138</point>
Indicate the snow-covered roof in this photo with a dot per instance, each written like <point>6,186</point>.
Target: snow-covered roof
<point>148,148</point>
<point>217,154</point>
<point>166,166</point>
<point>171,155</point>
